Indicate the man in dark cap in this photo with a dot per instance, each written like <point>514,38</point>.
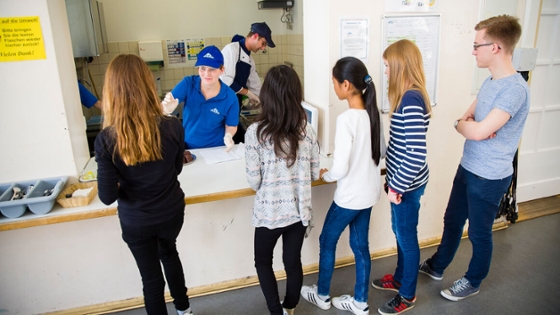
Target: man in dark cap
<point>240,69</point>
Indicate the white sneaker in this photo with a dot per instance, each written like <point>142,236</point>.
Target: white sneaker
<point>346,303</point>
<point>185,312</point>
<point>309,293</point>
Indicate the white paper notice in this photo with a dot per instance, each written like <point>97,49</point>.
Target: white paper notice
<point>219,154</point>
<point>354,38</point>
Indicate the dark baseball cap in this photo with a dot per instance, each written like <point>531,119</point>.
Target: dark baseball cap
<point>264,31</point>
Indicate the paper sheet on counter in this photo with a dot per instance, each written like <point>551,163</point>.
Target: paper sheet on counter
<point>219,154</point>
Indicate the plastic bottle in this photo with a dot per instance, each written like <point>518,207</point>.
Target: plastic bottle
<point>158,86</point>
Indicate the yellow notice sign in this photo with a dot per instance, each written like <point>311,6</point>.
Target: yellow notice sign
<point>21,39</point>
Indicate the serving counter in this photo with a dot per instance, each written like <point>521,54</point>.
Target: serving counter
<point>78,263</point>
<point>200,182</point>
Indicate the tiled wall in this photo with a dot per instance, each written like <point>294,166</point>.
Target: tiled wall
<point>289,48</point>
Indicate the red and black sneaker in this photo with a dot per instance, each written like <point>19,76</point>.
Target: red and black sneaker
<point>386,283</point>
<point>397,305</point>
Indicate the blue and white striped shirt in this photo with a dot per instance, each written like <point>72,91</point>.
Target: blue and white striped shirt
<point>407,168</point>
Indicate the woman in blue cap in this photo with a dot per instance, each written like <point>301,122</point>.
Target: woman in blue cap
<point>210,111</point>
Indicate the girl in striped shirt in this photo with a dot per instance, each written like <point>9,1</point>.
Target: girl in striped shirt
<point>407,168</point>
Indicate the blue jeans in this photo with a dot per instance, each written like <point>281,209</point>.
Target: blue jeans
<point>404,223</point>
<point>151,245</point>
<point>292,239</point>
<point>336,221</point>
<point>477,199</point>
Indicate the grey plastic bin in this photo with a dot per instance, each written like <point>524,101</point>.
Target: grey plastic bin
<point>34,199</point>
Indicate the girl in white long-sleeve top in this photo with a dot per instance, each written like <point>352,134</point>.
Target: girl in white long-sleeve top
<point>356,170</point>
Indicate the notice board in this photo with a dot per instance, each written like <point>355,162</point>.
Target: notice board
<point>424,31</point>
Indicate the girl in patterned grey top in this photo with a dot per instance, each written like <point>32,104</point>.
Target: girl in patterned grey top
<point>282,159</point>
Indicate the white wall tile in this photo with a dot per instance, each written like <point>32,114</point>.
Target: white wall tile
<point>178,73</point>
<point>113,47</point>
<point>123,47</point>
<point>133,46</point>
<point>103,59</point>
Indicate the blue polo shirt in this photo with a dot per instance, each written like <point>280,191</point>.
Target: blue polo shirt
<point>204,120</point>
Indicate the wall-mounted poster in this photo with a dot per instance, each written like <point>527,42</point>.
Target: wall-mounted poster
<point>424,31</point>
<point>354,37</point>
<point>411,5</point>
<point>176,53</point>
<point>183,50</point>
<point>194,46</point>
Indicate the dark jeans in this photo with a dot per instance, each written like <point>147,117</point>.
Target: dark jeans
<point>337,220</point>
<point>150,245</point>
<point>292,240</point>
<point>404,223</point>
<point>478,200</point>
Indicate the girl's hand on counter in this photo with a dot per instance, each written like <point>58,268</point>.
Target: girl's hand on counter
<point>322,172</point>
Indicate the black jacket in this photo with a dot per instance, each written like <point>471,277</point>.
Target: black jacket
<point>147,193</point>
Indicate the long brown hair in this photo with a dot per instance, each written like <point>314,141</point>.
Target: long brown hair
<point>132,110</point>
<point>406,72</point>
<point>282,120</point>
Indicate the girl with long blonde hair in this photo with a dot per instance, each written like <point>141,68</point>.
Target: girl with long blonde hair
<point>139,155</point>
<point>407,168</point>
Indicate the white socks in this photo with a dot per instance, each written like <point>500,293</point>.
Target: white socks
<point>361,305</point>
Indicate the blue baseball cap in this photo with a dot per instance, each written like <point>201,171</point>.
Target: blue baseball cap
<point>210,56</point>
<point>264,31</point>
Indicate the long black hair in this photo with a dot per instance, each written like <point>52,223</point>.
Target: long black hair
<point>282,119</point>
<point>354,71</point>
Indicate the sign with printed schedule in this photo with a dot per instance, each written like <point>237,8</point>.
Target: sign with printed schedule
<point>424,31</point>
<point>176,51</point>
<point>194,46</point>
<point>183,50</point>
<point>21,39</point>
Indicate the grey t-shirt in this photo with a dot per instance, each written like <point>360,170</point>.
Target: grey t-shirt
<point>492,158</point>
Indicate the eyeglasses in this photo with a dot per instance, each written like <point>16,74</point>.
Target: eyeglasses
<point>475,47</point>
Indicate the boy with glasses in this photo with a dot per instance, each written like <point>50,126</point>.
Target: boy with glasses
<point>492,126</point>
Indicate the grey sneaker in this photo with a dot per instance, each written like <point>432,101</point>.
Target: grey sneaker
<point>309,293</point>
<point>461,289</point>
<point>397,305</point>
<point>425,269</point>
